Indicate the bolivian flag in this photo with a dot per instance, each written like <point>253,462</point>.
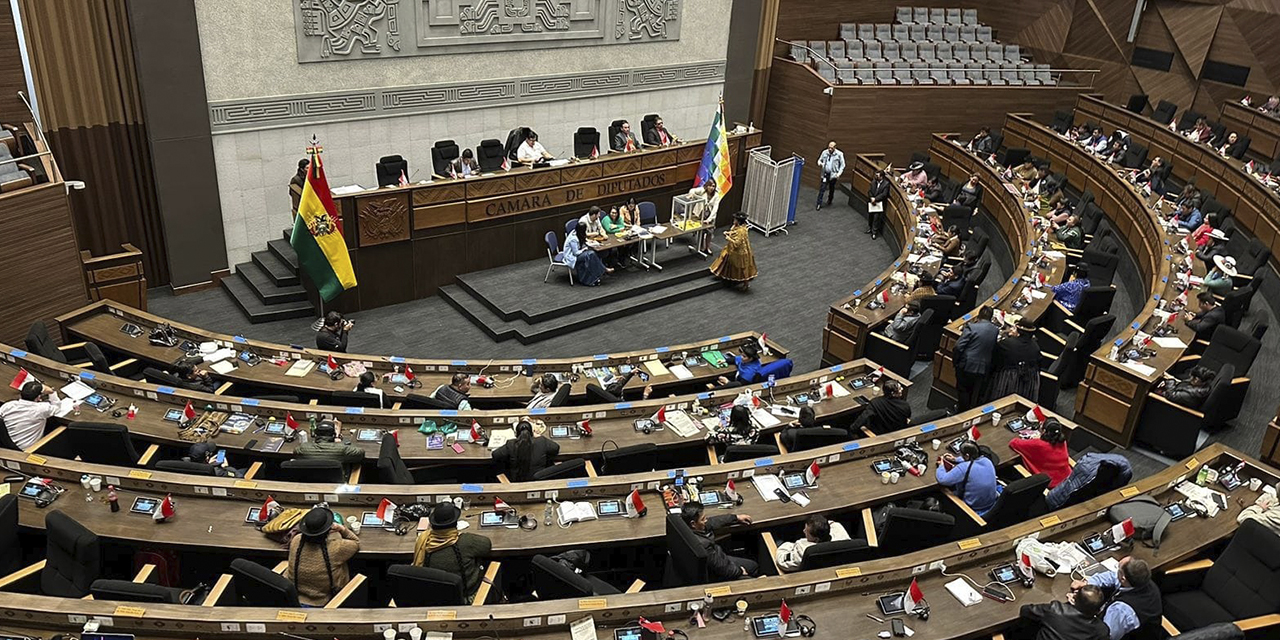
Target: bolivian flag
<point>317,237</point>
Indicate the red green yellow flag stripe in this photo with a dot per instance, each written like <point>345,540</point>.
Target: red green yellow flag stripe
<point>317,237</point>
<point>715,157</point>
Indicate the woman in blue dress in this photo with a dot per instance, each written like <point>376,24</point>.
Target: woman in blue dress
<point>587,267</point>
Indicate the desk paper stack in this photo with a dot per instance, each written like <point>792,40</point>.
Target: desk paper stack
<point>656,368</point>
<point>1172,342</point>
<point>223,367</point>
<point>681,372</point>
<point>300,368</point>
<point>682,424</point>
<point>766,484</point>
<point>499,437</point>
<point>1140,368</point>
<point>765,419</point>
<point>77,390</point>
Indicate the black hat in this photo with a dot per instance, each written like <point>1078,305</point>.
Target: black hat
<point>201,451</point>
<point>316,523</point>
<point>326,429</point>
<point>444,516</point>
<point>740,216</point>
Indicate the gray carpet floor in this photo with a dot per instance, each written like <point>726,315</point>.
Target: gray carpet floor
<point>822,258</point>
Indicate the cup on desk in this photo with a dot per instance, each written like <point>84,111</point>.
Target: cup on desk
<point>84,481</point>
<point>388,634</point>
<point>95,483</point>
<point>995,418</point>
<point>895,477</point>
<point>885,477</point>
<point>353,524</point>
<point>415,633</point>
<point>936,444</point>
<point>1255,484</point>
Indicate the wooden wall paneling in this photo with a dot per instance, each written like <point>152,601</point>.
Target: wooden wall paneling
<point>1192,26</point>
<point>385,259</point>
<point>39,258</point>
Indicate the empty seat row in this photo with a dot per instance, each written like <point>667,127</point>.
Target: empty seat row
<point>922,73</point>
<point>925,15</point>
<point>943,51</point>
<point>916,33</point>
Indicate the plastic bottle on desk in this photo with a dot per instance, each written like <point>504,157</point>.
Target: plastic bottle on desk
<point>112,499</point>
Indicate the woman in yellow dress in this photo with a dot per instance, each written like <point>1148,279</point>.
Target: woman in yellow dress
<point>736,262</point>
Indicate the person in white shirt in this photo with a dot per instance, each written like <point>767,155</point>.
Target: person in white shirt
<point>817,529</point>
<point>590,222</point>
<point>532,150</point>
<point>369,384</point>
<point>544,392</point>
<point>25,417</point>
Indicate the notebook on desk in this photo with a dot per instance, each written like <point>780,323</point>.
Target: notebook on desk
<point>656,368</point>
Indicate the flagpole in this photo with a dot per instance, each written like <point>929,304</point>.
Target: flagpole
<point>314,150</point>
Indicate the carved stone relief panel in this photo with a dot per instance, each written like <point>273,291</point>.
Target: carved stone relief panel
<point>329,30</point>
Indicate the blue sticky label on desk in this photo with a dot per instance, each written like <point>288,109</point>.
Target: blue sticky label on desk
<point>966,316</point>
<point>622,405</point>
<point>538,411</point>
<point>704,395</point>
<point>472,488</point>
<point>250,402</point>
<point>898,263</point>
<point>850,446</point>
<point>671,474</point>
<point>857,292</point>
<point>662,349</point>
<point>1014,280</point>
<point>928,427</point>
<point>989,408</point>
<point>18,353</point>
<point>1156,297</point>
<point>836,368</point>
<point>601,356</point>
<point>1164,279</point>
<point>459,363</point>
<point>168,390</point>
<point>1119,341</point>
<point>239,339</point>
<point>878,281</point>
<point>449,412</point>
<point>355,409</point>
<point>725,338</point>
<point>87,375</point>
<point>1030,253</point>
<point>576,484</point>
<point>1136,325</point>
<point>529,361</point>
<point>995,298</point>
<point>395,360</point>
<point>764,462</point>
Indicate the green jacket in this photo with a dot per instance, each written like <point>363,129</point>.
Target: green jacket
<point>344,453</point>
<point>611,227</point>
<point>1218,282</point>
<point>471,550</point>
<point>1073,237</point>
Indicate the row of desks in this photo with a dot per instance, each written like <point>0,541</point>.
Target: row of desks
<point>613,422</point>
<point>101,321</point>
<point>836,598</point>
<point>1112,394</point>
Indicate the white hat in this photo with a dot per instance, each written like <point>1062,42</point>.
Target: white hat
<point>1217,234</point>
<point>1225,264</point>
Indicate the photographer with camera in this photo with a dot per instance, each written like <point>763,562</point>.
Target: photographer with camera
<point>333,335</point>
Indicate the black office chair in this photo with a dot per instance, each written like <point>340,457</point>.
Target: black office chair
<point>738,452</point>
<point>909,530</point>
<point>931,334</point>
<point>425,401</point>
<point>648,213</point>
<point>1102,265</point>
<point>1242,147</point>
<point>825,555</point>
<point>686,557</point>
<point>389,170</point>
<point>647,125</point>
<point>1176,431</point>
<point>258,586</point>
<point>1227,346</point>
<point>100,443</point>
<point>586,140</point>
<point>561,398</point>
<point>39,343</point>
<point>554,581</point>
<point>1135,156</point>
<point>568,469</point>
<point>489,154</point>
<point>1085,198</point>
<point>161,377</point>
<point>975,245</point>
<point>1164,112</point>
<point>1057,375</point>
<point>899,356</point>
<point>1235,304</point>
<point>1240,584</point>
<point>442,154</point>
<point>6,441</point>
<point>312,471</point>
<point>958,216</point>
<point>1062,120</point>
<point>413,586</point>
<point>515,138</point>
<point>97,361</point>
<point>73,557</point>
<point>391,467</point>
<point>1255,255</point>
<point>128,591</point>
<point>1188,120</point>
<point>1137,103</point>
<point>187,466</point>
<point>614,128</point>
<point>10,547</point>
<point>637,458</point>
<point>805,438</point>
<point>1021,500</point>
<point>357,399</point>
<point>1095,301</point>
<point>932,415</point>
<point>1012,156</point>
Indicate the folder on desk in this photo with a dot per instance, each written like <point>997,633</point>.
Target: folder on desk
<point>681,372</point>
<point>714,358</point>
<point>656,368</point>
<point>300,368</point>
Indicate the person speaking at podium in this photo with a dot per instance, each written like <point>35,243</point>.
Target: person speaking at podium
<point>532,151</point>
<point>624,140</point>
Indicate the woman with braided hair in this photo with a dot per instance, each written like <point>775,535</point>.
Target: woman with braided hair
<point>318,557</point>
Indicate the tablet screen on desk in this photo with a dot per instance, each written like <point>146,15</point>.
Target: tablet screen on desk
<point>253,514</point>
<point>144,506</point>
<point>95,400</point>
<point>561,431</point>
<point>891,604</point>
<point>491,519</point>
<point>793,481</point>
<point>30,490</point>
<point>628,633</point>
<point>881,466</point>
<point>708,498</point>
<point>369,435</point>
<point>370,519</point>
<point>173,415</point>
<point>766,626</point>
<point>609,508</point>
<point>276,429</point>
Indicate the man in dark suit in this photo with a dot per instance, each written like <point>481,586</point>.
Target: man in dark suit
<point>333,335</point>
<point>624,140</point>
<point>983,144</point>
<point>877,193</point>
<point>658,136</point>
<point>972,358</point>
<point>1076,619</point>
<point>1211,315</point>
<point>720,565</point>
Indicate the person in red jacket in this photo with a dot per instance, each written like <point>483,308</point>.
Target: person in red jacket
<point>1046,453</point>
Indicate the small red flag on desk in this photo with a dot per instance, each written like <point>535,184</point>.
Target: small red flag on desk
<point>333,364</point>
<point>500,505</point>
<point>763,342</point>
<point>21,379</point>
<point>661,416</point>
<point>1038,413</point>
<point>731,490</point>
<point>386,510</point>
<point>404,180</point>
<point>635,506</point>
<point>289,422</point>
<point>595,152</point>
<point>189,412</point>
<point>395,435</point>
<point>913,597</point>
<point>830,390</point>
<point>1024,563</point>
<point>264,513</point>
<point>784,613</point>
<point>408,374</point>
<point>164,510</point>
<point>811,474</point>
<point>652,627</point>
<point>974,434</point>
<point>506,164</point>
<point>1122,531</point>
<point>884,296</point>
<point>475,431</point>
<point>585,426</point>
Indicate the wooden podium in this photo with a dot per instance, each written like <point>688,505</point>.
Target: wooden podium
<point>116,276</point>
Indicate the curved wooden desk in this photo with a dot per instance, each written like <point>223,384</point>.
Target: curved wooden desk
<point>1002,201</point>
<point>609,422</point>
<point>100,323</point>
<point>1112,394</point>
<point>1253,205</point>
<point>836,598</point>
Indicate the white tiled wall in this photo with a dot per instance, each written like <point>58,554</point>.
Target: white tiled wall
<point>254,167</point>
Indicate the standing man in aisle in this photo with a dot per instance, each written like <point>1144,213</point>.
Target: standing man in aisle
<point>831,163</point>
<point>972,358</point>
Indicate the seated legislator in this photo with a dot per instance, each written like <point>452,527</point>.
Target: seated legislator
<point>591,223</point>
<point>1076,619</point>
<point>587,266</point>
<point>1219,279</point>
<point>615,225</point>
<point>914,178</point>
<point>932,189</point>
<point>807,419</point>
<point>951,277</point>
<point>887,412</point>
<point>982,143</point>
<point>25,418</point>
<point>924,288</point>
<point>465,165</point>
<point>1265,509</point>
<point>526,455</point>
<point>1231,146</point>
<point>444,548</point>
<point>455,394</point>
<point>1070,234</point>
<point>625,140</point>
<point>1134,600</point>
<point>1045,451</point>
<point>751,370</point>
<point>658,136</point>
<point>1068,294</point>
<point>1271,106</point>
<point>318,555</point>
<point>970,194</point>
<point>947,242</point>
<point>325,445</point>
<point>532,151</point>
<point>368,383</point>
<point>1206,321</point>
<point>332,335</point>
<point>740,430</point>
<point>1192,390</point>
<point>195,379</point>
<point>630,213</point>
<point>207,453</point>
<point>817,530</point>
<point>903,322</point>
<point>544,391</point>
<point>1211,242</point>
<point>972,476</point>
<point>1152,177</point>
<point>720,565</point>
<point>1187,216</point>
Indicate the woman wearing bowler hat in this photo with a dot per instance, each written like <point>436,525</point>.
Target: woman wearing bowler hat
<point>445,548</point>
<point>318,557</point>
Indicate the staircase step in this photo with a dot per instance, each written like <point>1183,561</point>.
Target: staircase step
<point>279,270</point>
<point>284,251</point>
<point>268,291</point>
<point>247,299</point>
